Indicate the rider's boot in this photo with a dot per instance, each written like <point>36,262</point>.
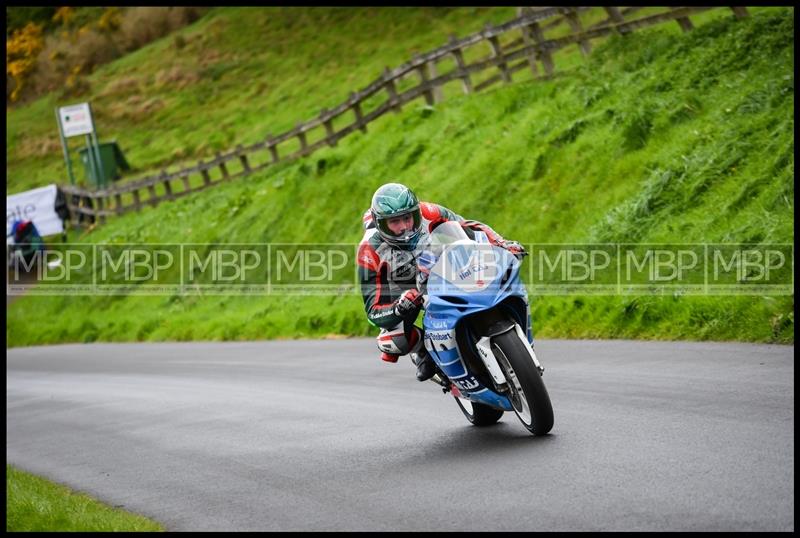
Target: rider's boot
<point>425,365</point>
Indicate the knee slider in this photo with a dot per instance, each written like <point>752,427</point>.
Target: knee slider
<point>396,341</point>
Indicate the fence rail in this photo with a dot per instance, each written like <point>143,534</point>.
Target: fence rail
<point>527,50</point>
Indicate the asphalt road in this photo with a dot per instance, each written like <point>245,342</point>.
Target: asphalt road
<point>322,435</point>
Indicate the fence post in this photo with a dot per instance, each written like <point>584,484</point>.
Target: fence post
<point>243,159</point>
<point>153,200</point>
<point>167,186</point>
<point>73,209</point>
<point>497,52</point>
<point>301,134</point>
<point>467,82</point>
<point>118,198</point>
<point>684,22</point>
<point>328,122</point>
<point>575,24</point>
<point>616,18</point>
<point>273,149</point>
<point>423,81</point>
<point>204,171</point>
<point>544,54</point>
<point>186,185</point>
<point>222,166</point>
<point>394,102</point>
<point>614,14</point>
<point>527,41</point>
<point>99,211</point>
<point>740,12</point>
<point>357,111</point>
<point>430,67</point>
<point>137,201</point>
<point>83,203</point>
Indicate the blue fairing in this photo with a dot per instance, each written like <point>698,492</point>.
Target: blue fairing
<point>454,292</point>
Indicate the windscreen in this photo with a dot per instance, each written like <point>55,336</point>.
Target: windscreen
<point>445,234</point>
<point>457,259</point>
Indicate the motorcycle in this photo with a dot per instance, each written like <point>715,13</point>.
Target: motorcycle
<point>475,309</point>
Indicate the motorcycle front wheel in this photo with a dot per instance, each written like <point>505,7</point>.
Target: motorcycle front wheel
<point>527,392</point>
<point>478,414</point>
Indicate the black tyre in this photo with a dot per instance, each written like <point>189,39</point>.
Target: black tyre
<point>479,414</point>
<point>527,392</point>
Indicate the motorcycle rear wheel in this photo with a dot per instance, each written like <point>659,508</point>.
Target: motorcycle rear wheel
<point>528,394</point>
<point>478,414</point>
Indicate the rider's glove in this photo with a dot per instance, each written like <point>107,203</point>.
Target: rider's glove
<point>515,248</point>
<point>408,304</point>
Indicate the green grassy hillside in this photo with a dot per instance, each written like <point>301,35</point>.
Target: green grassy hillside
<point>231,78</point>
<point>238,74</point>
<point>660,137</point>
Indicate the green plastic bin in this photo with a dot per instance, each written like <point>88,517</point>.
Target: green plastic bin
<point>113,162</point>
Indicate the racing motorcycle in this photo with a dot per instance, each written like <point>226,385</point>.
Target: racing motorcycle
<point>475,309</point>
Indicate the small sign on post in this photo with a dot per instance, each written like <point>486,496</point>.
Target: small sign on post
<point>76,120</point>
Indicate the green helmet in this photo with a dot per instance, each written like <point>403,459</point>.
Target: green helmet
<point>395,200</point>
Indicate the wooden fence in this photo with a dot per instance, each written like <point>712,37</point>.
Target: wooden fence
<point>514,46</point>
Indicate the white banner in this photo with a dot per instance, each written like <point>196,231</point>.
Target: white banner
<point>76,120</point>
<point>37,205</point>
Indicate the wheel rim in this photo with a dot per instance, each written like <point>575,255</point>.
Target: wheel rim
<point>518,400</point>
<point>466,405</point>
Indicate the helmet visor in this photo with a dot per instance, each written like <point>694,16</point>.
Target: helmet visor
<point>395,227</point>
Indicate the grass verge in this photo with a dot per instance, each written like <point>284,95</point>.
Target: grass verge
<point>34,504</point>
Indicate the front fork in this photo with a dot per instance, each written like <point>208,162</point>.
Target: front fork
<point>490,361</point>
<point>529,347</point>
<point>486,353</point>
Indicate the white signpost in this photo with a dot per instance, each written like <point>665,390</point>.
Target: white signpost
<point>76,120</point>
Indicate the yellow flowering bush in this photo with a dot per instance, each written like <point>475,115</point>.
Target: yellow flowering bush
<point>22,49</point>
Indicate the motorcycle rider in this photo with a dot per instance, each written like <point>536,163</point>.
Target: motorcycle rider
<point>27,240</point>
<point>396,225</point>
